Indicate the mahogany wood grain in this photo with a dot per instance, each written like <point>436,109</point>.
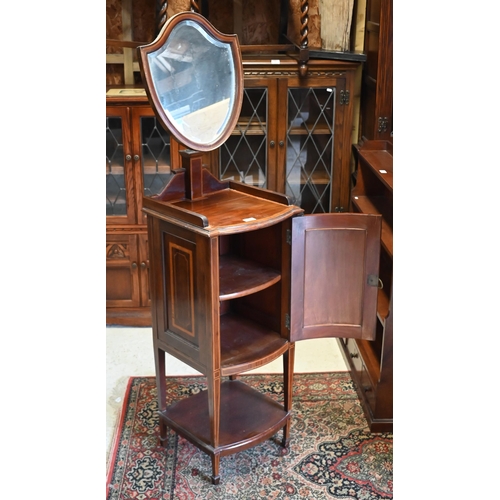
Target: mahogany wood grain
<point>333,298</point>
<point>371,362</point>
<point>246,345</point>
<point>246,417</point>
<point>239,277</point>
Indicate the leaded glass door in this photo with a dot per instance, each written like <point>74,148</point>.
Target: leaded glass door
<point>291,138</point>
<point>120,206</point>
<point>155,152</point>
<point>248,154</point>
<point>310,147</point>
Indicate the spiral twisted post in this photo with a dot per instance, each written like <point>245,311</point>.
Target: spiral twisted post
<point>304,21</point>
<point>161,13</point>
<point>195,6</point>
<point>304,41</point>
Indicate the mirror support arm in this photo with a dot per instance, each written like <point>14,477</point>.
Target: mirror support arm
<point>192,163</point>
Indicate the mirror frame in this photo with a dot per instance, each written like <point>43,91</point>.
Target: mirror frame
<point>162,38</point>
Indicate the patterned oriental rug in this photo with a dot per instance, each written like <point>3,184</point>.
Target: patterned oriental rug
<point>332,454</point>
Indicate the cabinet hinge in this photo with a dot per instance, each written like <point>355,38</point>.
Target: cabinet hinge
<point>383,121</point>
<point>344,97</point>
<point>287,321</point>
<point>373,280</point>
<point>289,236</point>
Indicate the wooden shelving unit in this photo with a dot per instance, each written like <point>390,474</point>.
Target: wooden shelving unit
<point>371,361</point>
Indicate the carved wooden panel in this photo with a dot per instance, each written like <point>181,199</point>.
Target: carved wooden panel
<point>130,20</point>
<point>122,274</point>
<point>255,21</point>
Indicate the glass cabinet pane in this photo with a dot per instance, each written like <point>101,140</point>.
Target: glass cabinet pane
<point>310,139</point>
<point>156,156</point>
<point>116,200</point>
<point>243,157</point>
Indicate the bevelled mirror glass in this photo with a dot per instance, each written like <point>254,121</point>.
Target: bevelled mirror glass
<point>194,80</point>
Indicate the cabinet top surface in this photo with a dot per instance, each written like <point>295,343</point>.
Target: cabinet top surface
<point>225,212</point>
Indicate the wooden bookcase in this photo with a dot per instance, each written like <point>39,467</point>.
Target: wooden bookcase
<point>371,361</point>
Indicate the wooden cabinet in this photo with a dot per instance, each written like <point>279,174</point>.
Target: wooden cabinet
<point>294,133</point>
<point>371,361</point>
<point>237,276</point>
<point>376,90</point>
<point>292,137</point>
<point>139,156</point>
<point>238,273</point>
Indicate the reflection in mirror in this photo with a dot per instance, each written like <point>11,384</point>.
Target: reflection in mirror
<point>194,77</point>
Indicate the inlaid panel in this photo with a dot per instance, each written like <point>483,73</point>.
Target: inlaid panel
<point>331,272</point>
<point>180,286</point>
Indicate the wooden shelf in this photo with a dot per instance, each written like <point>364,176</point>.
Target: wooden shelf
<point>382,305</point>
<point>247,417</point>
<point>246,345</point>
<point>320,178</point>
<point>239,277</point>
<point>370,360</point>
<point>377,205</point>
<point>379,160</point>
<point>260,128</point>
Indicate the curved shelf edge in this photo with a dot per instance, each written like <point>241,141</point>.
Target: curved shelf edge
<point>240,277</point>
<point>249,417</point>
<point>246,345</point>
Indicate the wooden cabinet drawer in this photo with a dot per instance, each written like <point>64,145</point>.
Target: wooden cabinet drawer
<point>354,356</point>
<point>368,388</point>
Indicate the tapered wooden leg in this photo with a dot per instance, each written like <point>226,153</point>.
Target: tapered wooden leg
<point>161,389</point>
<point>213,390</point>
<point>288,364</point>
<point>215,469</point>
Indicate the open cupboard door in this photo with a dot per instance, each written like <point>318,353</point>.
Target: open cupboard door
<point>334,281</point>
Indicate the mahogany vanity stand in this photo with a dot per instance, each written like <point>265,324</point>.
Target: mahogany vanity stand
<point>238,273</point>
<point>229,416</point>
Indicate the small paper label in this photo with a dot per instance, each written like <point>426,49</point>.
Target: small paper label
<point>275,61</point>
<point>249,219</point>
<point>383,171</point>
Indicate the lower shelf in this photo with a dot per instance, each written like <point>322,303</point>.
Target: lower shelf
<point>247,417</point>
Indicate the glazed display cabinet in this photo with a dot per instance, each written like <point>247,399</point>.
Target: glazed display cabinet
<point>294,133</point>
<point>138,163</point>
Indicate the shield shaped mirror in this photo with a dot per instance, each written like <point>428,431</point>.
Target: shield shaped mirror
<point>194,80</point>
